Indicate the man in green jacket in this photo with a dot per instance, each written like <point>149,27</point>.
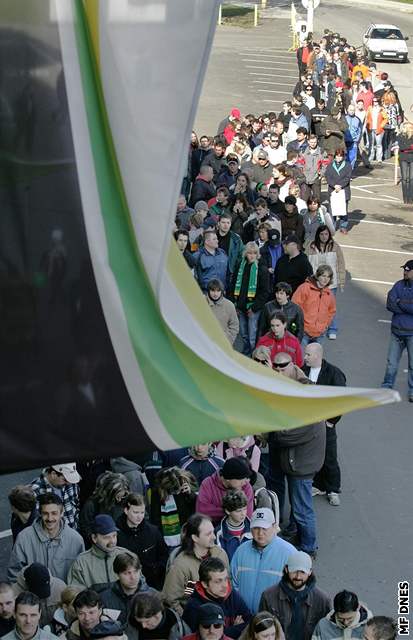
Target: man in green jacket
<point>95,566</point>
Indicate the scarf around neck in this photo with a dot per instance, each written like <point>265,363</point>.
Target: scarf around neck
<point>252,282</point>
<point>296,629</point>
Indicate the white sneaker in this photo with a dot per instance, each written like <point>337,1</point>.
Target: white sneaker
<point>332,336</point>
<point>334,499</point>
<point>317,492</point>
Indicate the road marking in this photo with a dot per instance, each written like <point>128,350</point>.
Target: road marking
<point>371,281</point>
<point>270,82</point>
<point>276,64</point>
<point>364,186</point>
<point>388,224</point>
<point>271,57</point>
<point>379,199</point>
<point>385,321</point>
<point>5,534</point>
<point>270,91</point>
<point>274,101</point>
<point>352,246</point>
<point>266,68</point>
<point>271,75</point>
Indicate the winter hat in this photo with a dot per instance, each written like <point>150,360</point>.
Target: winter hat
<point>104,524</point>
<point>210,613</point>
<point>236,113</point>
<point>37,578</point>
<point>273,237</point>
<point>236,469</point>
<point>339,85</point>
<point>290,200</point>
<point>107,628</point>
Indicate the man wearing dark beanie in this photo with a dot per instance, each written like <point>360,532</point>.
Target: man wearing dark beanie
<point>37,579</point>
<point>235,474</point>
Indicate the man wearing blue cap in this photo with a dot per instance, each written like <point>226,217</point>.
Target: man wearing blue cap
<point>211,622</point>
<point>94,567</point>
<point>400,304</point>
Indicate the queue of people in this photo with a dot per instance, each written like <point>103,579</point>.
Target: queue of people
<point>198,543</point>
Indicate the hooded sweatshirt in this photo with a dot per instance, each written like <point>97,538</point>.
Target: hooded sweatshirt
<point>117,603</point>
<point>330,629</point>
<point>34,545</point>
<point>232,605</point>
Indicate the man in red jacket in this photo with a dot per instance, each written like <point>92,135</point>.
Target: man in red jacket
<point>280,340</point>
<point>235,474</point>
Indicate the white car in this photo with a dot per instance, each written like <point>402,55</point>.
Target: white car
<point>385,42</point>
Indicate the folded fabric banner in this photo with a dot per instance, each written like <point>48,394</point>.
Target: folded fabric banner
<point>115,352</point>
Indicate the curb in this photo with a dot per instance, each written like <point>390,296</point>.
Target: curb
<point>383,4</point>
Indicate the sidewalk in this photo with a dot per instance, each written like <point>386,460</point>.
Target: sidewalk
<point>384,4</point>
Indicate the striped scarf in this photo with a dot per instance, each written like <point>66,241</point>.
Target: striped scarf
<point>171,527</point>
<point>252,282</point>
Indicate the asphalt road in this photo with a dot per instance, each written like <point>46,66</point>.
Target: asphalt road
<point>365,545</point>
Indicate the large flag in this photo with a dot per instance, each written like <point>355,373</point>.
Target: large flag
<point>107,345</point>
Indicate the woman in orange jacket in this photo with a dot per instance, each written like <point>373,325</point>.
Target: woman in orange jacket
<point>376,118</point>
<point>318,304</point>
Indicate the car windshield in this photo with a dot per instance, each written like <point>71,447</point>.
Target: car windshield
<point>386,34</point>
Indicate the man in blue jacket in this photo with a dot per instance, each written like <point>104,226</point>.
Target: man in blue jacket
<point>211,262</point>
<point>400,303</point>
<point>352,135</point>
<point>259,563</point>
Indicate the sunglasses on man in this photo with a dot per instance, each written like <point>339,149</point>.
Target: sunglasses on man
<point>280,365</point>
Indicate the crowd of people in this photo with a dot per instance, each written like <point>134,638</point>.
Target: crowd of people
<point>197,554</point>
<point>201,543</point>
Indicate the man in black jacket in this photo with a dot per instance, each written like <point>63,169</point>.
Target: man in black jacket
<point>203,187</point>
<point>120,594</point>
<point>292,311</point>
<point>319,371</point>
<point>296,455</point>
<point>143,538</point>
<point>293,267</point>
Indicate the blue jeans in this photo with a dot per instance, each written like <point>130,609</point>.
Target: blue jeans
<point>333,328</point>
<point>341,222</point>
<point>307,339</point>
<point>352,153</point>
<point>301,501</point>
<point>396,348</point>
<point>248,325</point>
<point>375,145</point>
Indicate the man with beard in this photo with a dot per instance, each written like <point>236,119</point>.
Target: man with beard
<point>296,601</point>
<point>94,567</point>
<point>223,309</point>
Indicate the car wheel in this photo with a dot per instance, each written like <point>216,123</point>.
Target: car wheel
<point>405,59</point>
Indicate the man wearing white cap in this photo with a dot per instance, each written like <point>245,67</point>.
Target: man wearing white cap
<point>61,479</point>
<point>296,601</point>
<point>259,563</point>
